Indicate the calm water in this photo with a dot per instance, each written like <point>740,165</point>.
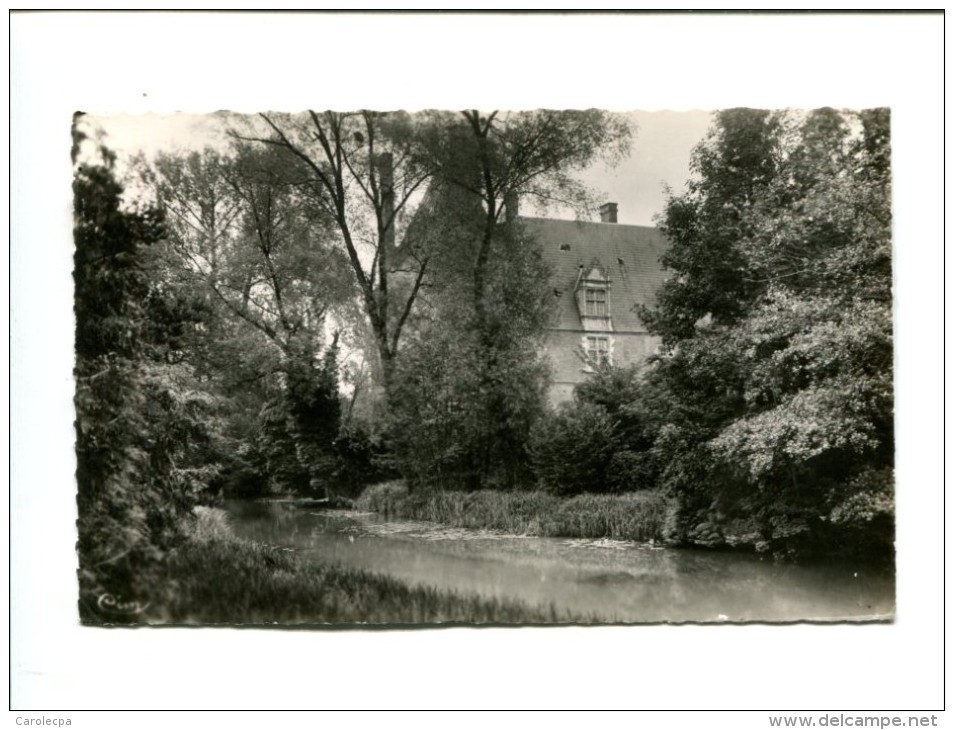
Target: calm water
<point>612,580</point>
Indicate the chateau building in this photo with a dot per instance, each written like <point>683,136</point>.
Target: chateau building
<point>603,273</point>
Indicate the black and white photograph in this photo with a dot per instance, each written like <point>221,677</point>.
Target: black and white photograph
<point>501,360</point>
<point>390,367</point>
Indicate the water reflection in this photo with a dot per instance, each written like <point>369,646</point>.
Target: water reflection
<point>613,580</point>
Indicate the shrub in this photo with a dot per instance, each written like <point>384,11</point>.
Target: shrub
<point>572,449</point>
<point>382,497</point>
<point>863,514</point>
<point>632,470</point>
<point>360,460</point>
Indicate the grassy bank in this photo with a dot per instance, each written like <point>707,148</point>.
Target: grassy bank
<point>215,577</point>
<point>638,516</point>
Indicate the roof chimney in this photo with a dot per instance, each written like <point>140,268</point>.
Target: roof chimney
<point>608,213</point>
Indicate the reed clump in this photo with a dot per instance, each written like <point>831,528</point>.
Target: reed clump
<point>640,516</point>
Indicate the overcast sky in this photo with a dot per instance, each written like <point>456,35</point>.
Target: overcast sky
<point>659,154</point>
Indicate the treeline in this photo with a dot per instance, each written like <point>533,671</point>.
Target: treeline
<point>768,415</point>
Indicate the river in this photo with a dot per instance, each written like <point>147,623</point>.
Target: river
<point>608,580</point>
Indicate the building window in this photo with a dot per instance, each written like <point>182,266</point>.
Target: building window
<point>595,302</point>
<point>592,294</point>
<point>598,350</point>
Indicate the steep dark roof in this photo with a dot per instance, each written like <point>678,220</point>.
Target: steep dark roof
<point>630,255</point>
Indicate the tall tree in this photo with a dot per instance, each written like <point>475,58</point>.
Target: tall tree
<point>482,385</point>
<point>781,434</point>
<point>243,232</point>
<point>362,169</point>
<point>247,239</point>
<point>705,225</point>
<point>461,408</point>
<point>498,157</point>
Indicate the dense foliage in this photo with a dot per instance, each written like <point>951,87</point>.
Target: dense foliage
<point>769,417</point>
<point>463,403</point>
<point>145,427</point>
<point>604,440</point>
<point>573,449</point>
<point>370,250</point>
<point>470,383</point>
<point>245,239</point>
<point>780,431</point>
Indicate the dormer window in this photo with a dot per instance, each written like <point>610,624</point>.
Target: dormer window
<point>595,302</point>
<point>593,298</point>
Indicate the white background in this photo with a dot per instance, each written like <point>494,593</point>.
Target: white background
<point>110,63</point>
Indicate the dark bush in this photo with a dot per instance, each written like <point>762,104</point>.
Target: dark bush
<point>361,459</point>
<point>572,449</point>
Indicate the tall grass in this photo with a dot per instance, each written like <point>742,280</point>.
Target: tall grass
<point>218,578</point>
<point>383,497</point>
<point>640,516</point>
